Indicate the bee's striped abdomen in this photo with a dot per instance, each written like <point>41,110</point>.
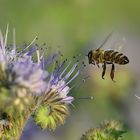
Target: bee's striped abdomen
<point>107,55</point>
<point>115,57</point>
<point>123,60</point>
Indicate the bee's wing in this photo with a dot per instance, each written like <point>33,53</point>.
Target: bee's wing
<point>115,42</point>
<point>120,44</point>
<point>105,40</point>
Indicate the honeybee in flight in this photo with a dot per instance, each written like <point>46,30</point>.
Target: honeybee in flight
<point>107,57</point>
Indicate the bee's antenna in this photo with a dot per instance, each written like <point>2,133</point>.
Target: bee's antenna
<point>106,39</point>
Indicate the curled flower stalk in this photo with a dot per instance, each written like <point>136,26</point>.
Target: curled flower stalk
<point>55,101</point>
<point>33,88</point>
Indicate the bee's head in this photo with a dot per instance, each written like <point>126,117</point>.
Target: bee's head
<point>90,58</point>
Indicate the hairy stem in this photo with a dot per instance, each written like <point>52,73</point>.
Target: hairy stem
<point>15,121</point>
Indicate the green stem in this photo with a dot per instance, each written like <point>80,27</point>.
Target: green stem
<point>18,121</point>
<point>15,130</point>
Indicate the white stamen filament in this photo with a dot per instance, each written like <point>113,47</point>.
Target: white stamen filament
<point>5,41</point>
<point>1,39</point>
<point>38,56</point>
<point>14,40</point>
<point>30,43</point>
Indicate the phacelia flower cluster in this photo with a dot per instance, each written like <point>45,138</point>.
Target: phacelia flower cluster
<point>37,88</point>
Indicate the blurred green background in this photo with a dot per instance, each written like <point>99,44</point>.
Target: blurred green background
<point>75,25</point>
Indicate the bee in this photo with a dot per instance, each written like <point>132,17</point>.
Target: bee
<point>107,57</point>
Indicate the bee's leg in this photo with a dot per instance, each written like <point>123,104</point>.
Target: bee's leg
<point>104,70</point>
<point>93,62</point>
<point>97,63</point>
<point>112,72</point>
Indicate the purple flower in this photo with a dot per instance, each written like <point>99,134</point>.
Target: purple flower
<point>29,75</point>
<point>35,87</point>
<point>9,54</point>
<point>60,79</point>
<point>54,109</point>
<point>21,71</point>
